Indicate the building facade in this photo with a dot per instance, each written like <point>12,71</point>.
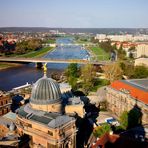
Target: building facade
<point>44,119</point>
<point>142,50</point>
<point>5,103</point>
<point>141,61</point>
<point>122,38</point>
<point>123,95</point>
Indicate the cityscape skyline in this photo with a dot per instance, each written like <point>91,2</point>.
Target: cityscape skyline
<point>74,14</point>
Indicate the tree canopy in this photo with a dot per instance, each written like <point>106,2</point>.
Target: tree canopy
<point>112,72</point>
<point>140,72</point>
<point>29,45</point>
<point>72,73</point>
<point>132,118</point>
<point>124,120</point>
<point>101,130</point>
<point>88,74</point>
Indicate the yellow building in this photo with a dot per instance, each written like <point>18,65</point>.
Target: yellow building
<point>142,50</point>
<point>125,95</point>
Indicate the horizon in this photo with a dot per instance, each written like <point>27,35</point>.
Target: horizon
<point>75,27</point>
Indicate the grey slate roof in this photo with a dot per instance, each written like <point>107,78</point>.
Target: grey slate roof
<point>52,120</point>
<point>138,83</point>
<point>4,121</point>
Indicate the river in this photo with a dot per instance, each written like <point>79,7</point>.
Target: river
<point>14,77</point>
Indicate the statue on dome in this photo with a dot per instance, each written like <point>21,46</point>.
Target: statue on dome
<point>45,69</point>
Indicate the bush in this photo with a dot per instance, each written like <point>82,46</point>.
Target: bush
<point>124,120</point>
<point>101,130</point>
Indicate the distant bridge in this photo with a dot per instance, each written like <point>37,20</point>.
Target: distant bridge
<point>45,60</point>
<point>68,44</point>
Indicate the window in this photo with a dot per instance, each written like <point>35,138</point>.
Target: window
<point>29,125</point>
<point>50,133</point>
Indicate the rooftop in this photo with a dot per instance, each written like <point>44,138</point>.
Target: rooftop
<point>10,115</point>
<point>114,141</point>
<point>139,83</point>
<point>45,91</point>
<point>4,121</point>
<point>137,88</point>
<point>52,120</point>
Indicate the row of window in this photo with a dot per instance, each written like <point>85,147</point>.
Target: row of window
<point>4,110</point>
<point>3,102</point>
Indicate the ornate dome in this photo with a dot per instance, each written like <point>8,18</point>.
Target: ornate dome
<point>45,91</point>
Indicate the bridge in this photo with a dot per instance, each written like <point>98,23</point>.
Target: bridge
<point>68,44</point>
<point>47,60</point>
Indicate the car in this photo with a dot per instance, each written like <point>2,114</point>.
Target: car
<point>112,121</point>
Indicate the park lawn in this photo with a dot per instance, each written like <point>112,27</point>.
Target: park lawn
<point>82,42</point>
<point>38,53</point>
<point>50,41</point>
<point>99,83</point>
<point>100,53</point>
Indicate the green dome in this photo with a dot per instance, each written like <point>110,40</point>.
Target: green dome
<point>45,91</point>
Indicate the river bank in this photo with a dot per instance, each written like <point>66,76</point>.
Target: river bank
<point>17,76</point>
<point>39,53</point>
<point>6,65</point>
<point>36,54</point>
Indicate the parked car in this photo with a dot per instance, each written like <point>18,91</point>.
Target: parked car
<point>112,121</point>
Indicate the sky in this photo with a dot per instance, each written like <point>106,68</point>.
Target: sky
<point>74,13</point>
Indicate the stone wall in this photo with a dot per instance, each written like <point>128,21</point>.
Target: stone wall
<point>119,101</point>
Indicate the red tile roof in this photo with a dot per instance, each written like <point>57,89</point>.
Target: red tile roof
<point>135,92</point>
<point>117,141</point>
<point>104,139</point>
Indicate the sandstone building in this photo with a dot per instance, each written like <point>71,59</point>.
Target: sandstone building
<point>44,120</point>
<point>123,95</point>
<point>5,103</point>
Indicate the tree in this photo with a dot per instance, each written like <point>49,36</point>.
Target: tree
<point>21,48</point>
<point>72,70</point>
<point>101,130</point>
<point>26,46</point>
<point>140,72</point>
<point>106,46</point>
<point>88,74</point>
<point>34,44</point>
<point>112,72</point>
<point>121,52</point>
<point>127,68</point>
<point>132,118</point>
<point>93,40</point>
<point>124,120</point>
<point>72,73</point>
<point>132,48</point>
<point>8,47</point>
